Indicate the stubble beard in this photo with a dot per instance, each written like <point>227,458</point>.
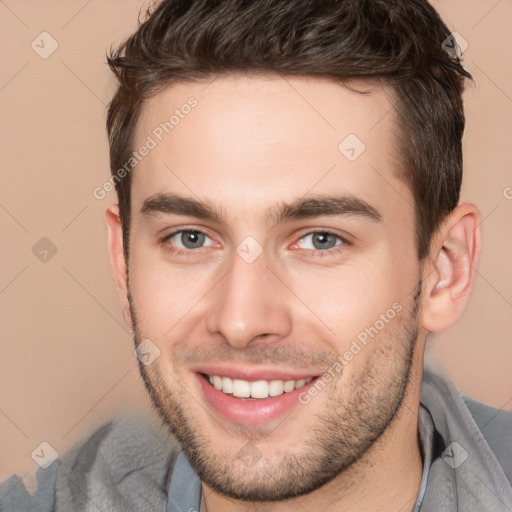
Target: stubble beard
<point>343,433</point>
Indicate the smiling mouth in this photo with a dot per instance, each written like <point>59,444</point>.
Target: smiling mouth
<point>260,389</point>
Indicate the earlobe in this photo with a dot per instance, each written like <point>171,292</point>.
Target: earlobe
<point>117,259</point>
<point>455,251</point>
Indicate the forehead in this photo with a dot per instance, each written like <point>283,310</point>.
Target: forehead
<point>249,141</point>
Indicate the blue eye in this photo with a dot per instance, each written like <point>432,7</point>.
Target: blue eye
<point>320,241</point>
<point>190,239</point>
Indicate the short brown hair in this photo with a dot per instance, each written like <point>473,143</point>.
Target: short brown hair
<point>399,42</point>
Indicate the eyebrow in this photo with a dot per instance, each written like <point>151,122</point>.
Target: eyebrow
<point>302,208</point>
<point>323,205</point>
<point>171,204</point>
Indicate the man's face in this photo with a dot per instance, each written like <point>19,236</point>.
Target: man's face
<point>269,248</point>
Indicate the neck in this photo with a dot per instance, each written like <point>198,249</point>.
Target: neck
<point>387,477</point>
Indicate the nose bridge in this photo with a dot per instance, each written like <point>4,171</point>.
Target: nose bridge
<point>249,303</point>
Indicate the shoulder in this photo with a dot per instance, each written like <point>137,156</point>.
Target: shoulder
<point>123,465</point>
<point>496,427</point>
<point>483,430</point>
<point>124,444</point>
<point>14,497</point>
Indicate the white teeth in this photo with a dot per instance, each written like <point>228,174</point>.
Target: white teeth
<point>276,388</point>
<point>258,389</point>
<point>227,385</point>
<point>289,385</point>
<point>217,382</point>
<point>300,383</point>
<point>241,388</point>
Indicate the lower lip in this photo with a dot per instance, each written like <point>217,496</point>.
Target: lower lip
<point>251,412</point>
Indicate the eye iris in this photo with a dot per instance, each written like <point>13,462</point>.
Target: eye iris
<point>324,241</point>
<point>192,239</point>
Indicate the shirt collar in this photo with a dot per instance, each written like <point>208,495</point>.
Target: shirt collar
<point>185,488</point>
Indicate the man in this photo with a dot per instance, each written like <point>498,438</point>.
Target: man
<point>288,232</point>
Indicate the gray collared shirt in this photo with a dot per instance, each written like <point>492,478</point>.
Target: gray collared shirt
<point>129,465</point>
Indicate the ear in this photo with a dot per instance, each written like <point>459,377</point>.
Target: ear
<point>450,271</point>
<point>118,260</point>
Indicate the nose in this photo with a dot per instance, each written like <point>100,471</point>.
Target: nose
<point>249,305</point>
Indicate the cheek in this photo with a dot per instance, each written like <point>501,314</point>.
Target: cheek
<point>167,299</point>
<point>356,299</point>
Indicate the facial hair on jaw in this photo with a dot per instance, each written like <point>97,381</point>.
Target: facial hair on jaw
<point>343,433</point>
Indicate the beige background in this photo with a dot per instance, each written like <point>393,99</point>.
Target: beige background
<point>66,357</point>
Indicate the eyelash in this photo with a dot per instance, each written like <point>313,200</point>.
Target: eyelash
<point>326,252</point>
<point>164,242</point>
<point>317,252</point>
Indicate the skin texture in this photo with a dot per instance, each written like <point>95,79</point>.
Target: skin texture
<point>250,145</point>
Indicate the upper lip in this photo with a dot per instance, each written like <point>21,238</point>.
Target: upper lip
<point>253,374</point>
